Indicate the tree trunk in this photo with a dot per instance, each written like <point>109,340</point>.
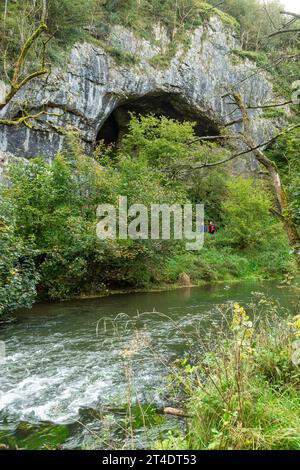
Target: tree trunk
<point>282,199</point>
<point>284,210</point>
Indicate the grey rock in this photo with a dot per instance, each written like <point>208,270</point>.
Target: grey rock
<point>93,85</point>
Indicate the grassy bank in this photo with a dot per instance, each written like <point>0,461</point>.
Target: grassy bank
<point>244,393</point>
<point>216,262</point>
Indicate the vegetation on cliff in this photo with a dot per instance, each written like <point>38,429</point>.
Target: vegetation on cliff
<point>69,21</point>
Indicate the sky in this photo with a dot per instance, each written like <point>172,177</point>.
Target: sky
<point>292,5</point>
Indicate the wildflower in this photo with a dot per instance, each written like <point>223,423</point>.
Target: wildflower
<point>239,317</point>
<point>296,325</point>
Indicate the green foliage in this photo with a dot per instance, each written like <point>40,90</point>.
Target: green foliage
<point>221,263</point>
<point>250,242</point>
<point>18,277</point>
<point>247,215</point>
<point>209,186</point>
<point>55,214</point>
<point>18,24</point>
<point>162,142</point>
<point>257,20</point>
<point>275,113</point>
<point>285,73</point>
<point>285,153</point>
<point>66,19</point>
<point>51,212</point>
<point>165,144</point>
<point>260,58</point>
<point>140,15</point>
<point>209,265</point>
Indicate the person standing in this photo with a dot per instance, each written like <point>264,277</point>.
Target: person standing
<point>211,228</point>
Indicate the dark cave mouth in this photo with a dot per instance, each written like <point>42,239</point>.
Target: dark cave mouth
<point>116,125</point>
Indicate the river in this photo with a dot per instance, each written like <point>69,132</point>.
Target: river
<point>71,367</point>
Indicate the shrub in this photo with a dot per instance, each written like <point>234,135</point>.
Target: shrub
<point>55,207</point>
<point>55,213</point>
<point>247,218</point>
<point>18,277</point>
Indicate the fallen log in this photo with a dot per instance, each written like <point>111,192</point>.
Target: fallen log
<point>176,412</point>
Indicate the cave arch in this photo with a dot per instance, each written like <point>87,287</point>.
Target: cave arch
<point>170,105</point>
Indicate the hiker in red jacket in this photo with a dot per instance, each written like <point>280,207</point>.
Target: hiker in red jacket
<point>211,228</point>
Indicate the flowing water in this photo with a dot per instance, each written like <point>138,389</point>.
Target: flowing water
<point>71,367</point>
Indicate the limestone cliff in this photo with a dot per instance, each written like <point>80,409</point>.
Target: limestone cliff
<point>94,88</point>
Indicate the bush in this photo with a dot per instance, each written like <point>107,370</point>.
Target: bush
<point>18,277</point>
<point>55,214</point>
<point>247,219</point>
<point>55,208</point>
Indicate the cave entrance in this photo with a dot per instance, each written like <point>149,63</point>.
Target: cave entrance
<point>169,105</point>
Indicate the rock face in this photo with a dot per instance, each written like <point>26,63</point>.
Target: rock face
<point>94,88</point>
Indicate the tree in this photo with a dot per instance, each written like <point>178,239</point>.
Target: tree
<point>248,221</point>
<point>270,166</point>
<point>247,139</point>
<point>258,21</point>
<point>285,153</point>
<point>19,81</point>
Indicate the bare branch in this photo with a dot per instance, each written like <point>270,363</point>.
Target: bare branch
<point>213,137</point>
<point>17,83</point>
<point>216,6</point>
<point>270,105</point>
<point>289,13</point>
<point>25,50</point>
<point>26,117</point>
<point>232,123</point>
<point>176,412</point>
<point>282,31</point>
<point>200,165</point>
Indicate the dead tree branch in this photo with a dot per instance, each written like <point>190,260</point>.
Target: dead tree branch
<point>289,13</point>
<point>25,118</point>
<point>283,31</point>
<point>17,82</point>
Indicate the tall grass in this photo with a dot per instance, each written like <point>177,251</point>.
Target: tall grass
<point>245,394</point>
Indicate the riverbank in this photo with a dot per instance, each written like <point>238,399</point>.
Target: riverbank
<point>225,284</point>
<point>244,393</point>
<point>169,288</point>
<point>215,265</point>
